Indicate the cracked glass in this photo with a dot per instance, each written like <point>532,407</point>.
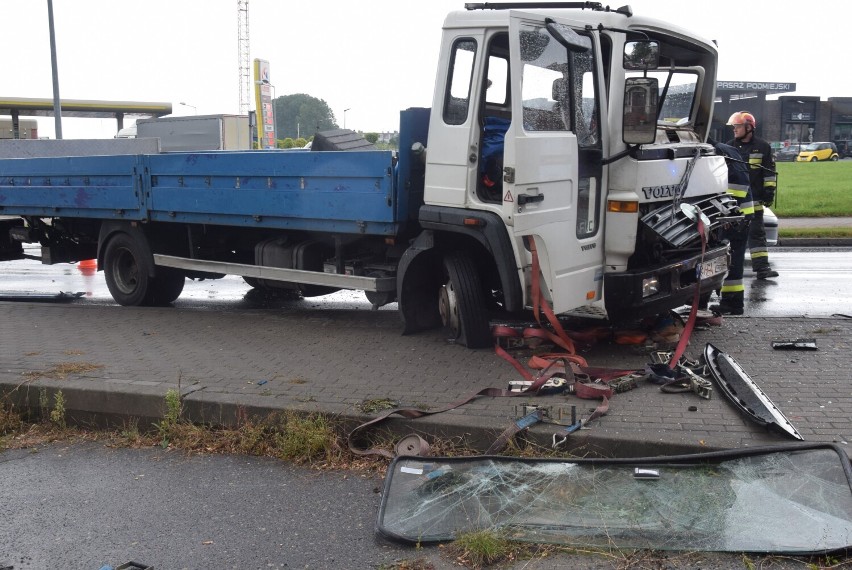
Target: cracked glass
<point>786,501</point>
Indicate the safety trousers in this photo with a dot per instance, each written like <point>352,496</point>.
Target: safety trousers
<point>757,243</point>
<point>733,288</point>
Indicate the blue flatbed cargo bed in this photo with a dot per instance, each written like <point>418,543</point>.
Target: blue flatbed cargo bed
<point>342,192</point>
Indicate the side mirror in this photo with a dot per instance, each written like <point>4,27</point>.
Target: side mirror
<point>642,55</point>
<point>641,97</point>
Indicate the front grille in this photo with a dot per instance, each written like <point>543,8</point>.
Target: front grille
<point>677,231</point>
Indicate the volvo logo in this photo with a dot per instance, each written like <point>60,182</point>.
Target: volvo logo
<point>659,191</point>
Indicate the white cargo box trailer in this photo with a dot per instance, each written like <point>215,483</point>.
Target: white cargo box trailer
<point>197,132</point>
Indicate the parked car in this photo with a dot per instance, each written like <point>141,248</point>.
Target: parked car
<point>844,148</point>
<point>788,154</point>
<point>818,151</point>
<point>770,222</point>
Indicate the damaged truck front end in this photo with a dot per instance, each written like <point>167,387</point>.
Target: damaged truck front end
<point>668,204</point>
<point>672,257</point>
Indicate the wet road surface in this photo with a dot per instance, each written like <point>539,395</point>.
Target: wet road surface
<point>813,282</point>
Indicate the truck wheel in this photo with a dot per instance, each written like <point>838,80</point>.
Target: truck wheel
<point>125,273</point>
<point>165,287</point>
<point>462,303</point>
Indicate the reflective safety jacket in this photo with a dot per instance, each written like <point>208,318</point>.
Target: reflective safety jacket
<point>758,154</point>
<point>739,184</point>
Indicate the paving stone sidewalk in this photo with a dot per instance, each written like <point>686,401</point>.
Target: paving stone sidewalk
<point>115,363</point>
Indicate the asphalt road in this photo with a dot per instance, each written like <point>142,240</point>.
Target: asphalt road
<point>83,506</point>
<point>813,282</point>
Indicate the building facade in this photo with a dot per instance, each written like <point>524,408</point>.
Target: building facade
<point>788,119</point>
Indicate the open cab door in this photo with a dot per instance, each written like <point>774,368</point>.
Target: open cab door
<point>553,173</point>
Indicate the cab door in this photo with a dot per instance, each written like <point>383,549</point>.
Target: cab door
<point>553,174</point>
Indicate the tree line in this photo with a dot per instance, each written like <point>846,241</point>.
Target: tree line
<point>299,116</point>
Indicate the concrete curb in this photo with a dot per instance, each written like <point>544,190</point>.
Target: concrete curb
<point>232,365</point>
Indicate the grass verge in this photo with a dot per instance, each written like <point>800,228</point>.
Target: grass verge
<point>318,441</point>
<point>814,189</point>
<point>813,232</point>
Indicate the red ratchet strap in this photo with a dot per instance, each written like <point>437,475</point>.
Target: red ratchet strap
<point>561,338</point>
<point>539,303</point>
<point>412,413</point>
<point>690,322</point>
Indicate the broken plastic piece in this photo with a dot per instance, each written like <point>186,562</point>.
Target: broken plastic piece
<point>61,297</point>
<point>745,394</point>
<point>798,344</point>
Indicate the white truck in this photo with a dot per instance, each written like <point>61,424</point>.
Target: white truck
<point>565,146</point>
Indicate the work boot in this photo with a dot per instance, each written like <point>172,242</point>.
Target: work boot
<point>767,273</point>
<point>725,309</point>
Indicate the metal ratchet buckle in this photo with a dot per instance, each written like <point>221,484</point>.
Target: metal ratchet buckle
<point>561,436</point>
<point>661,356</point>
<point>701,386</point>
<point>625,383</point>
<point>554,385</point>
<point>558,415</point>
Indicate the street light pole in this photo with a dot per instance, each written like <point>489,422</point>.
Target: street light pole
<point>57,102</point>
<point>194,108</point>
<point>344,117</point>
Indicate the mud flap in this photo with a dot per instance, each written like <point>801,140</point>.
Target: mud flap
<point>745,394</point>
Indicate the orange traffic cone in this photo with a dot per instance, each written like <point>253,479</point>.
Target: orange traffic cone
<point>88,266</point>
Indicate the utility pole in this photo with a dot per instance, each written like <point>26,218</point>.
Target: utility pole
<point>57,102</point>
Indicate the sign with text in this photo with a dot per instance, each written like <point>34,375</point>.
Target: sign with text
<point>767,86</point>
<point>263,104</point>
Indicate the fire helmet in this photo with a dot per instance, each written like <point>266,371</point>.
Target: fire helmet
<point>742,118</point>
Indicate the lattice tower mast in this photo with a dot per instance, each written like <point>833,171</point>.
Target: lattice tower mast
<point>244,56</point>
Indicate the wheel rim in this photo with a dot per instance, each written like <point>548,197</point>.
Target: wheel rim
<point>449,309</point>
<point>126,273</point>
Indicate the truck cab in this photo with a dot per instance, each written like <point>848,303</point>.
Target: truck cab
<point>579,132</point>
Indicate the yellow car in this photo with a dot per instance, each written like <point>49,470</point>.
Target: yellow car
<point>818,151</point>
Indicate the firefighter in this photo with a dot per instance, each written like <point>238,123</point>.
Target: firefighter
<point>758,154</point>
<point>733,289</point>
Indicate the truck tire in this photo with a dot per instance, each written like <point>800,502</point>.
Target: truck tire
<point>125,271</point>
<point>165,287</point>
<point>128,279</point>
<point>461,302</point>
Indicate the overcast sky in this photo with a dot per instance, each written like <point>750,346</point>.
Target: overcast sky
<point>373,57</point>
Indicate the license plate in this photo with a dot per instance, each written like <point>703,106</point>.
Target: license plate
<point>714,267</point>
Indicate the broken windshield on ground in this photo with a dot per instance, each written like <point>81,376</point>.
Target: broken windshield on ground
<point>784,500</point>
